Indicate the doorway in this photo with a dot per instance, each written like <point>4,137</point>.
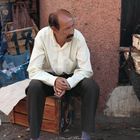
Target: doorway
<point>130,21</point>
<point>130,24</point>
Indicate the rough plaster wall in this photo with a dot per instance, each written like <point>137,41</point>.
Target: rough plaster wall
<point>122,103</point>
<point>99,21</point>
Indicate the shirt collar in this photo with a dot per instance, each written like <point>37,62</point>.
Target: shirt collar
<point>54,40</point>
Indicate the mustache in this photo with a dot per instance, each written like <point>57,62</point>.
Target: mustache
<point>70,36</point>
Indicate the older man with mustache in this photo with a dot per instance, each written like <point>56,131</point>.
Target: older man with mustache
<point>60,65</point>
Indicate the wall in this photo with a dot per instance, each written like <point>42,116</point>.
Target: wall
<point>99,21</point>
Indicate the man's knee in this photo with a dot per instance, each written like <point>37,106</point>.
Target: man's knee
<point>34,87</point>
<point>90,85</point>
<point>90,88</point>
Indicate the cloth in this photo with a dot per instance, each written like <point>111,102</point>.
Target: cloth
<point>47,56</point>
<point>11,95</point>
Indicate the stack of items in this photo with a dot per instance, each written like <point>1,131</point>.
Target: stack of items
<point>133,64</point>
<point>134,61</point>
<point>18,35</point>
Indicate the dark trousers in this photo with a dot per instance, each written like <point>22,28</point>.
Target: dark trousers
<point>37,92</point>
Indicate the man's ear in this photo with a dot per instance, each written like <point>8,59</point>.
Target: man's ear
<point>54,29</point>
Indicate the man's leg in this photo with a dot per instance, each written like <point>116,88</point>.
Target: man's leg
<point>36,95</point>
<point>89,92</point>
<point>89,99</point>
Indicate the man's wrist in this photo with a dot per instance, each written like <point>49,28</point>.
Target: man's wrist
<point>69,87</point>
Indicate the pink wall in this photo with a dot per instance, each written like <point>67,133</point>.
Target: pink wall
<point>99,21</point>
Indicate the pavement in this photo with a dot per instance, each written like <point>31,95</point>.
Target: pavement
<point>106,129</point>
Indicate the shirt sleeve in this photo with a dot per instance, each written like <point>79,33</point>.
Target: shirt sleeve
<point>35,70</point>
<point>84,69</point>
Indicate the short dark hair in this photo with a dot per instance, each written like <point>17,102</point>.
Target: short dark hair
<point>53,18</point>
<point>53,21</point>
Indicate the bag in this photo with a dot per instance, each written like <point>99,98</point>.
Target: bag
<point>17,59</point>
<point>14,68</point>
<point>8,77</point>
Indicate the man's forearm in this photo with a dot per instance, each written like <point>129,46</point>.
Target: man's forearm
<point>43,76</point>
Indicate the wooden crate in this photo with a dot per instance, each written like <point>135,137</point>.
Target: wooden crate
<point>51,117</point>
<point>20,40</point>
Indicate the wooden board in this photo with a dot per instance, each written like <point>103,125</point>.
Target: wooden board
<point>136,58</point>
<point>136,41</point>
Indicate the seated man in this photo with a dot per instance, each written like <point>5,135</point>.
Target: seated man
<point>60,65</point>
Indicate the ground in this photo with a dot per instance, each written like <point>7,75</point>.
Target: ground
<point>104,131</point>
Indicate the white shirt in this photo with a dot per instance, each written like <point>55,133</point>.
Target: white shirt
<point>47,56</point>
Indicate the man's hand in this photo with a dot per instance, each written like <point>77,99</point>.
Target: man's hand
<point>61,85</point>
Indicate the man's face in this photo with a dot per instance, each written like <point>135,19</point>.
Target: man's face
<point>66,30</point>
